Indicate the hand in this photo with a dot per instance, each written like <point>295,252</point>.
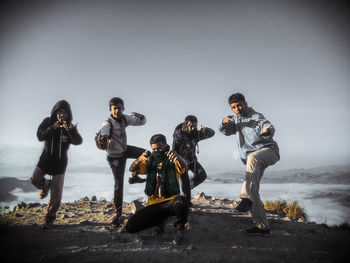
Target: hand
<point>56,125</point>
<point>227,119</point>
<point>137,115</point>
<point>266,131</point>
<point>173,157</point>
<point>67,126</point>
<point>143,157</point>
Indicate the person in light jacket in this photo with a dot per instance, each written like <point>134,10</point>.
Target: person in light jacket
<point>118,151</point>
<point>258,150</point>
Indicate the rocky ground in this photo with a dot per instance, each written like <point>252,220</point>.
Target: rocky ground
<point>82,233</point>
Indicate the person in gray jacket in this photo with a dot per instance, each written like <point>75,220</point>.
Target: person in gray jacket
<point>258,150</point>
<point>117,149</point>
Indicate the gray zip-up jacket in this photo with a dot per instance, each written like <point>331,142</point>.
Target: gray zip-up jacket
<point>249,129</point>
<point>117,134</point>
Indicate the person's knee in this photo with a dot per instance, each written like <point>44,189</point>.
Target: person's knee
<point>130,228</point>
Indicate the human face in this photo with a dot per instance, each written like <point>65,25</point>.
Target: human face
<point>62,115</point>
<point>158,147</point>
<point>239,108</point>
<point>117,110</point>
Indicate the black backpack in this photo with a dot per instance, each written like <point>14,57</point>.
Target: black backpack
<point>102,141</point>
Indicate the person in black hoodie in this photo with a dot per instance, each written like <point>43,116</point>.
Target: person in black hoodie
<point>58,132</point>
<point>186,138</point>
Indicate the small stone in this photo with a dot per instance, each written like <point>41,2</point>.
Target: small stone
<point>18,215</point>
<point>94,198</point>
<point>32,205</point>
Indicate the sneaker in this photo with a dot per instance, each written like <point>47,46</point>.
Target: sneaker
<point>45,191</point>
<point>179,237</point>
<point>47,225</point>
<point>136,180</point>
<point>244,206</point>
<point>118,221</point>
<point>258,231</point>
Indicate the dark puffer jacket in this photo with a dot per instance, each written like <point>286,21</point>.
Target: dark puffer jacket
<point>53,159</point>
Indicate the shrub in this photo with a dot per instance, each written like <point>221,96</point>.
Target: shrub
<point>291,209</point>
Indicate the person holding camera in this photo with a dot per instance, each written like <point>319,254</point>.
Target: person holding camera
<point>113,135</point>
<point>163,168</point>
<point>185,141</point>
<point>58,132</point>
<point>258,150</point>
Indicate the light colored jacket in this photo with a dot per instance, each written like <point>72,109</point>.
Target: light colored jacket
<point>249,133</point>
<point>117,134</point>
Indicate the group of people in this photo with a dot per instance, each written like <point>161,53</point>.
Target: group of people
<point>165,166</point>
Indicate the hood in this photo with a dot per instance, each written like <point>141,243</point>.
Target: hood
<point>62,104</point>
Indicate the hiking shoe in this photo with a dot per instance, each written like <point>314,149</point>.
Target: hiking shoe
<point>136,180</point>
<point>43,193</point>
<point>118,221</point>
<point>179,237</point>
<point>258,231</point>
<point>244,206</point>
<point>47,225</point>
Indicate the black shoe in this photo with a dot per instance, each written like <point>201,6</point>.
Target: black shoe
<point>258,231</point>
<point>179,237</point>
<point>136,180</point>
<point>116,221</point>
<point>244,206</point>
<point>47,225</point>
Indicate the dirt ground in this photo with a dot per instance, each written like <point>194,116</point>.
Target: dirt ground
<point>82,233</point>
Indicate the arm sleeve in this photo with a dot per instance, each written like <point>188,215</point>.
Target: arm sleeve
<point>135,120</point>
<point>177,140</point>
<point>264,123</point>
<point>228,128</point>
<point>206,133</point>
<point>143,168</point>
<point>74,136</point>
<point>179,169</point>
<point>44,130</point>
<point>106,127</point>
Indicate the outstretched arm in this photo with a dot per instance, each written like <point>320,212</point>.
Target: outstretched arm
<point>44,130</point>
<point>205,133</point>
<point>228,127</point>
<point>137,165</point>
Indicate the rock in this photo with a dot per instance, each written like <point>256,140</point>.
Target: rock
<point>85,199</point>
<point>18,215</point>
<point>200,195</point>
<point>31,205</point>
<point>94,198</point>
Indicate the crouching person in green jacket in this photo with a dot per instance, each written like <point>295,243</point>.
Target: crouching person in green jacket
<point>163,168</point>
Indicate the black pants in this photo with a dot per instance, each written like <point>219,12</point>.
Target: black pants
<point>117,165</point>
<point>199,175</point>
<point>154,215</point>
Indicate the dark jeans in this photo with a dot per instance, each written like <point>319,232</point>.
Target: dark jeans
<point>117,165</point>
<point>199,175</point>
<point>154,215</point>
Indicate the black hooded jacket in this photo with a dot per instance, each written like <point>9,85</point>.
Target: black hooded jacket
<point>53,159</point>
<point>185,142</point>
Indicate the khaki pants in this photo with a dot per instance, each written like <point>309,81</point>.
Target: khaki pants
<point>56,189</point>
<point>257,162</point>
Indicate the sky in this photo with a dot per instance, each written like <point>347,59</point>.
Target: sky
<point>168,59</point>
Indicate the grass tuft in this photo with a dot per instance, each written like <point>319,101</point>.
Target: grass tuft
<point>292,209</point>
